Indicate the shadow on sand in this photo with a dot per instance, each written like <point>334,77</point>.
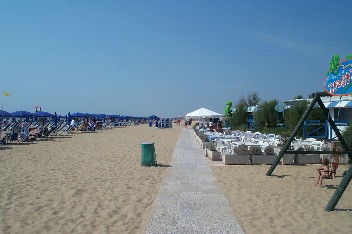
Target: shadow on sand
<point>329,186</point>
<point>281,176</point>
<point>162,165</point>
<point>5,147</point>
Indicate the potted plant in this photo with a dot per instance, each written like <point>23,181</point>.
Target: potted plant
<point>307,158</point>
<point>204,140</point>
<point>258,157</point>
<point>240,156</point>
<point>211,152</point>
<point>287,159</point>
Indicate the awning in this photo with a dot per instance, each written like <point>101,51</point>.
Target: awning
<point>203,112</point>
<point>336,104</point>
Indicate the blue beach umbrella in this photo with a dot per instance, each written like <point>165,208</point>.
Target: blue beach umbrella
<point>78,114</point>
<point>55,119</point>
<point>153,117</point>
<point>99,116</point>
<point>21,114</point>
<point>68,118</point>
<point>43,114</point>
<point>4,113</point>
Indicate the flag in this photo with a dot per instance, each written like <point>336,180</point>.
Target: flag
<point>6,94</point>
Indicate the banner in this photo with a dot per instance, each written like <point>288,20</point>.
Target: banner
<point>338,79</point>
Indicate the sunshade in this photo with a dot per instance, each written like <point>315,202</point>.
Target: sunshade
<point>4,113</point>
<point>203,112</point>
<point>21,114</point>
<point>43,114</point>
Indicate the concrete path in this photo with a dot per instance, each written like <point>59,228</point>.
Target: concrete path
<point>190,201</point>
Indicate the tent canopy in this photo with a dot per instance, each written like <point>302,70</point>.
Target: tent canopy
<point>203,112</point>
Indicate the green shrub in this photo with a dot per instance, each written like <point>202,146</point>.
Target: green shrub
<point>241,150</point>
<point>211,146</point>
<point>256,150</point>
<point>347,135</point>
<point>269,150</point>
<point>203,137</point>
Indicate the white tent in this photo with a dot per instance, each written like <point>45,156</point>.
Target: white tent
<point>203,112</point>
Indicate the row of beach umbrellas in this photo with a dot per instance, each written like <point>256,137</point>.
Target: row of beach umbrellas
<point>22,113</point>
<point>25,114</point>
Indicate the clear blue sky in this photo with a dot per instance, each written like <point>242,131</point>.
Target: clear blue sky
<point>166,58</point>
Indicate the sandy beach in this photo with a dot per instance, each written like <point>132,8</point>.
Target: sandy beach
<point>83,183</point>
<point>287,202</point>
<point>93,183</point>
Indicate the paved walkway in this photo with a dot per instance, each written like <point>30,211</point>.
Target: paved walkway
<point>190,201</point>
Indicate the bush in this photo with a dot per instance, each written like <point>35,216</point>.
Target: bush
<point>347,135</point>
<point>265,117</point>
<point>211,146</point>
<point>269,150</point>
<point>241,150</point>
<point>203,137</point>
<point>301,148</point>
<point>284,137</point>
<point>256,150</point>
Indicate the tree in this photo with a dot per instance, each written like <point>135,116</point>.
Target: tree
<point>239,116</point>
<point>266,115</point>
<point>317,114</point>
<point>321,93</point>
<point>347,135</point>
<point>298,97</point>
<point>253,99</point>
<point>294,114</point>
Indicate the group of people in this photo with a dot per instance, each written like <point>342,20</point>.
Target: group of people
<point>324,171</point>
<point>85,125</point>
<point>188,122</point>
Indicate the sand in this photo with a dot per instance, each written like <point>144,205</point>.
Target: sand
<point>287,202</point>
<point>83,183</point>
<point>93,183</point>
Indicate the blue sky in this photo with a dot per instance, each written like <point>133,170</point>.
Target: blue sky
<point>165,57</point>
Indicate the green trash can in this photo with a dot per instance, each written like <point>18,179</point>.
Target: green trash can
<point>148,154</point>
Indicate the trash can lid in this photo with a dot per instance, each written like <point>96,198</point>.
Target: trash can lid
<point>147,143</point>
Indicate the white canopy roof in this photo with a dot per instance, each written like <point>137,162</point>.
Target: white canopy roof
<point>203,112</point>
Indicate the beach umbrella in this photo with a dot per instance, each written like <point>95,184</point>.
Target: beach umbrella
<point>100,116</point>
<point>55,119</point>
<point>21,114</point>
<point>4,113</point>
<point>78,114</point>
<point>68,118</point>
<point>153,117</point>
<point>42,114</point>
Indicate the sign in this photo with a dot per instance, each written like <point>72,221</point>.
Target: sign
<point>338,79</point>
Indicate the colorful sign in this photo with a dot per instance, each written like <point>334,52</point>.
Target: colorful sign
<point>338,79</point>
